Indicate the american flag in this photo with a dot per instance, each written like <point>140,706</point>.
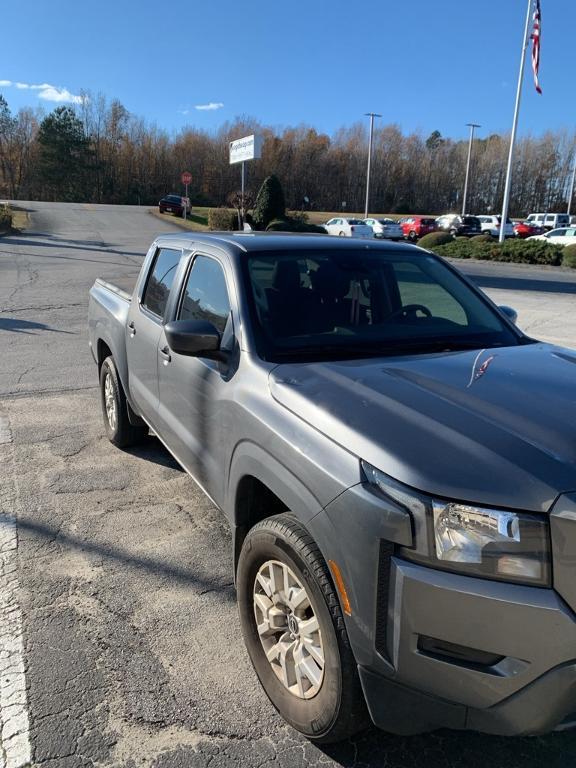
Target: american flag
<point>535,37</point>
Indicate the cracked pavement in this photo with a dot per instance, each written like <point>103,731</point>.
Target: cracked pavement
<point>132,651</point>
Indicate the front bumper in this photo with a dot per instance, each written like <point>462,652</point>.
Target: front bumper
<point>529,686</point>
<point>507,653</point>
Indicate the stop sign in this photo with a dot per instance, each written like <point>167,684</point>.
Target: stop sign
<point>186,177</point>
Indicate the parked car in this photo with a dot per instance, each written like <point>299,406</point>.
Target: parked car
<point>490,225</point>
<point>396,460</point>
<point>388,229</point>
<point>175,204</point>
<point>415,227</point>
<point>459,226</point>
<point>561,236</point>
<point>550,220</point>
<point>348,228</point>
<point>524,229</point>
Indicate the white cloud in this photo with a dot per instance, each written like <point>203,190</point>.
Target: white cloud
<point>184,111</point>
<point>46,91</point>
<point>52,93</point>
<point>212,105</point>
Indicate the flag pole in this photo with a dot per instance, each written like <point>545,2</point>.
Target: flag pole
<point>507,186</point>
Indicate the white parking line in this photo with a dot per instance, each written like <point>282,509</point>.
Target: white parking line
<point>15,749</point>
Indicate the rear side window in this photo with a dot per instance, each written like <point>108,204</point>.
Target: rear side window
<point>205,294</point>
<point>160,280</point>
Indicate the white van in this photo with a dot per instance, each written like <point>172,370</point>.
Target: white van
<point>549,220</point>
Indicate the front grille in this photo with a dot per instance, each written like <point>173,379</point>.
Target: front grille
<point>382,597</point>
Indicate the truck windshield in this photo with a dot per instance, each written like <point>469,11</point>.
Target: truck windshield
<point>335,304</point>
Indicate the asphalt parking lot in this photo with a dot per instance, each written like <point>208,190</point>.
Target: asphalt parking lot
<point>121,642</point>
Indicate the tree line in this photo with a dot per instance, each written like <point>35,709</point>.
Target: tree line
<point>99,152</point>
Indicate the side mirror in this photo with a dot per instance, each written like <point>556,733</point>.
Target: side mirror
<point>510,313</point>
<point>195,338</point>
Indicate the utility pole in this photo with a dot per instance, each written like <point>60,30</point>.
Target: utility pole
<point>371,115</point>
<point>508,185</point>
<point>472,126</point>
<point>571,193</point>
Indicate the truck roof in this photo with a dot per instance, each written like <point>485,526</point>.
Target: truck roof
<point>274,241</point>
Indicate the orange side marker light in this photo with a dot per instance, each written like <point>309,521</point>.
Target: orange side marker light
<point>339,581</point>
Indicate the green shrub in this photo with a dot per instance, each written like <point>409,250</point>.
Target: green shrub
<point>5,218</point>
<point>222,219</point>
<point>569,256</point>
<point>270,203</point>
<point>434,239</point>
<point>519,251</point>
<point>293,224</point>
<point>484,238</point>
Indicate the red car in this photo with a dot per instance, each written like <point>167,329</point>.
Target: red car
<point>416,227</point>
<point>525,229</point>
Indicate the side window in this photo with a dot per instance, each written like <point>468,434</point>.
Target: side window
<point>160,280</point>
<point>205,295</point>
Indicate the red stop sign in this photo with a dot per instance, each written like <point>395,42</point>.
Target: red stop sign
<point>186,177</point>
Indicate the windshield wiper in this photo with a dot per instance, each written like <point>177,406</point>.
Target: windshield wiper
<point>336,351</point>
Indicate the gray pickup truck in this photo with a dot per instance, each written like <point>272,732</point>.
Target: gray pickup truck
<point>397,462</point>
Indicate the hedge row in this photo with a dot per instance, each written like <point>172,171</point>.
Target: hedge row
<point>520,251</point>
<point>5,218</point>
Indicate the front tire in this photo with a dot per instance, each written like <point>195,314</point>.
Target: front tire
<point>294,632</point>
<point>118,428</point>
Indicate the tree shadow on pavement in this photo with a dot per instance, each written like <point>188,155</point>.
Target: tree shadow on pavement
<point>522,283</point>
<point>153,566</point>
<point>15,325</point>
<point>48,241</point>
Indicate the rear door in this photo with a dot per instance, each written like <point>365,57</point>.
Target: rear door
<point>192,410</point>
<point>144,328</point>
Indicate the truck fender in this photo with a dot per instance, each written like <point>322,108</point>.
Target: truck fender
<point>249,459</point>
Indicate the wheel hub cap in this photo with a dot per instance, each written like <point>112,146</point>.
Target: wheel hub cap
<point>288,629</point>
<point>110,401</point>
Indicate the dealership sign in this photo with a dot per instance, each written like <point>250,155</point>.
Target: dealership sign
<point>248,148</point>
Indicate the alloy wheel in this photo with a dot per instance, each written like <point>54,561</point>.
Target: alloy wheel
<point>288,629</point>
<point>110,401</point>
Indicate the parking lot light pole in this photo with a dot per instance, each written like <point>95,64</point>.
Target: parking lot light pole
<point>472,126</point>
<point>371,115</point>
<point>571,193</point>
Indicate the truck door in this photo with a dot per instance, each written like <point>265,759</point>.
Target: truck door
<point>143,331</point>
<point>193,411</point>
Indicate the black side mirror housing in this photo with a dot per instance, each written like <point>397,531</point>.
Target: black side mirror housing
<point>195,338</point>
<point>510,313</point>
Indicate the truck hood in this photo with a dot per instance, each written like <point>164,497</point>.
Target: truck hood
<point>494,427</point>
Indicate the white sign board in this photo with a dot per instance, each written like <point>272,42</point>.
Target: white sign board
<point>248,148</point>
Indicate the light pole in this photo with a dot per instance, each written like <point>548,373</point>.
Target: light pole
<point>371,115</point>
<point>472,126</point>
<point>571,193</point>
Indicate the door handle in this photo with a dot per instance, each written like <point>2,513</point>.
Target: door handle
<point>132,329</point>
<point>165,354</point>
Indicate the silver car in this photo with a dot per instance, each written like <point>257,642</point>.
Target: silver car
<point>387,229</point>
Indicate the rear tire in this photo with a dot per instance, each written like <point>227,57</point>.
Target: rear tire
<point>119,430</point>
<point>309,675</point>
<point>412,236</point>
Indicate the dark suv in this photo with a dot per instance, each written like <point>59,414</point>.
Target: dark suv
<point>172,204</point>
<point>459,226</point>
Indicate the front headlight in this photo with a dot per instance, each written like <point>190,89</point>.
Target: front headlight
<point>489,543</point>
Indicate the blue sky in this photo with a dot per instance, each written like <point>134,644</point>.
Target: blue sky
<point>423,65</point>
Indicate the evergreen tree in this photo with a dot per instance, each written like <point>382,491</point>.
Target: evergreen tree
<point>64,156</point>
<point>270,203</point>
